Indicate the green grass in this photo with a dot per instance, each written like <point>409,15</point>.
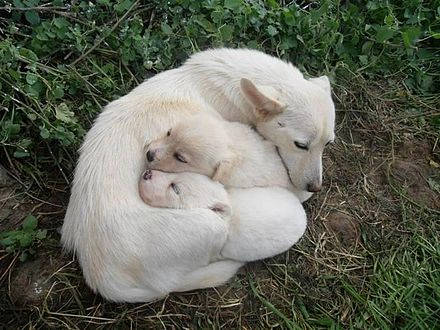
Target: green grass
<point>403,291</point>
<point>61,62</point>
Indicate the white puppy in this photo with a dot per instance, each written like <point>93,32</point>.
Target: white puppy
<point>229,152</point>
<point>183,191</point>
<point>250,237</point>
<point>130,251</point>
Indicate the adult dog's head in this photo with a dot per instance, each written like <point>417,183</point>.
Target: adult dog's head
<point>299,119</point>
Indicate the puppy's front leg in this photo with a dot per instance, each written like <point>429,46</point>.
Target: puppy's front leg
<point>215,274</point>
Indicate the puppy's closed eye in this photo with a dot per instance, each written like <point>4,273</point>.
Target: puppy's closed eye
<point>180,158</point>
<point>175,188</point>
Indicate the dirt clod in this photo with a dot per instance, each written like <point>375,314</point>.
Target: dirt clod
<point>31,281</point>
<point>343,226</point>
<point>413,171</point>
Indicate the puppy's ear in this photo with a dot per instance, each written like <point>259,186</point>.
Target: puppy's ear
<point>226,164</point>
<point>262,99</point>
<point>222,209</point>
<point>223,170</point>
<point>322,82</point>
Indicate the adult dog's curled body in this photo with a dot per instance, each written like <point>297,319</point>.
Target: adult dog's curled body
<point>132,252</point>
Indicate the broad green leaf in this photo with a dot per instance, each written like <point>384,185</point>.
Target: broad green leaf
<point>383,33</point>
<point>30,223</point>
<point>272,31</point>
<point>273,4</point>
<point>389,20</point>
<point>410,36</point>
<point>207,25</point>
<point>11,128</point>
<point>8,241</point>
<point>366,47</point>
<point>44,133</point>
<point>14,74</point>
<point>363,59</point>
<point>25,240</point>
<point>289,18</point>
<point>63,113</point>
<point>32,17</point>
<point>31,78</point>
<point>18,3</point>
<point>32,116</point>
<point>35,89</point>
<point>217,16</point>
<point>233,4</point>
<point>60,22</point>
<point>21,154</point>
<point>58,92</point>
<point>41,234</point>
<point>123,6</point>
<point>426,82</point>
<point>226,32</point>
<point>166,28</point>
<point>29,54</point>
<point>372,5</point>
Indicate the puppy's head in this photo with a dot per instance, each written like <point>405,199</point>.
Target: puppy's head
<point>200,145</point>
<point>183,191</point>
<point>299,119</point>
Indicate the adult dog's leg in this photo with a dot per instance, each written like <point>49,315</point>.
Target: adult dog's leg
<point>215,274</point>
<point>266,222</point>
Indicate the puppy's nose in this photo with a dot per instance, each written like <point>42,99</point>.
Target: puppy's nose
<point>148,175</point>
<point>150,155</point>
<point>313,187</point>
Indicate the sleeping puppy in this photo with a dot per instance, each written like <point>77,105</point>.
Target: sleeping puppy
<point>183,191</point>
<point>250,236</point>
<point>229,152</point>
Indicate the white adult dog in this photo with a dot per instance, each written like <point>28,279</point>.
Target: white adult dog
<point>132,252</point>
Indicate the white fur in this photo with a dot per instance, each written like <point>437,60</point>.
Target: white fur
<point>229,152</point>
<point>132,252</point>
<point>251,236</point>
<point>305,106</point>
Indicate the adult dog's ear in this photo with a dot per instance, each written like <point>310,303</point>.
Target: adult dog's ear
<point>263,99</point>
<point>322,82</point>
<point>222,209</point>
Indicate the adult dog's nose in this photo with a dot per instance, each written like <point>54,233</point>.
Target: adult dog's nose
<point>313,187</point>
<point>148,175</point>
<point>150,155</point>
